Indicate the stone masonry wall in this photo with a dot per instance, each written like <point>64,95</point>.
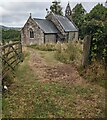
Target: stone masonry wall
<point>38,33</point>
<point>73,36</point>
<point>50,38</point>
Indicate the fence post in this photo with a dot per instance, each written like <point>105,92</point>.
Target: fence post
<point>86,50</point>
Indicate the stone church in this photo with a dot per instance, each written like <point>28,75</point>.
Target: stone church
<point>51,29</point>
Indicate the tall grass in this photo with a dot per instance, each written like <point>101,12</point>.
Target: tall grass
<point>69,52</point>
<point>94,73</point>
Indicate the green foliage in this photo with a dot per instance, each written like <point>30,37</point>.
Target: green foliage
<point>97,13</point>
<point>11,35</point>
<point>95,26</point>
<point>56,8</point>
<point>78,16</point>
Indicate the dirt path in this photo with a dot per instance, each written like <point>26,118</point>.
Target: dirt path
<point>52,72</point>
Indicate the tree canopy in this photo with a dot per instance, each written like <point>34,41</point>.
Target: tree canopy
<point>56,8</point>
<point>96,26</point>
<point>11,35</point>
<point>99,12</point>
<point>78,16</point>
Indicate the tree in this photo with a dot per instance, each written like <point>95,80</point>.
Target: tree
<point>55,8</point>
<point>78,16</point>
<point>96,26</point>
<point>98,13</point>
<point>11,35</point>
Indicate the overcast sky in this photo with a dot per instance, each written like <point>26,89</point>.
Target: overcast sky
<point>15,12</point>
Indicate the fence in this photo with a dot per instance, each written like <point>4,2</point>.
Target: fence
<point>10,56</point>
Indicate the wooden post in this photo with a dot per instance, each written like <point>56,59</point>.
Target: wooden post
<point>86,50</point>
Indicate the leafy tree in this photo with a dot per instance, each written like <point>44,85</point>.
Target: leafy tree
<point>96,26</point>
<point>55,8</point>
<point>78,16</point>
<point>11,35</point>
<point>98,13</point>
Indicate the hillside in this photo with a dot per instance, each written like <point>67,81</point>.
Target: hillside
<point>8,28</point>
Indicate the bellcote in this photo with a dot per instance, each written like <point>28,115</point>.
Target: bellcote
<point>68,11</point>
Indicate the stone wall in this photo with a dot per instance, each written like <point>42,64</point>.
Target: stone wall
<point>86,50</point>
<point>73,36</point>
<point>25,33</point>
<point>76,35</point>
<point>50,38</point>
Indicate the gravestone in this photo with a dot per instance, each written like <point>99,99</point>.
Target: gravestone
<point>86,50</point>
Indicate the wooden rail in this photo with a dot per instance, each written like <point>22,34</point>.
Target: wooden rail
<point>10,56</point>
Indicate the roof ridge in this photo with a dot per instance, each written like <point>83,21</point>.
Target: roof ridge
<point>39,18</point>
<point>59,15</point>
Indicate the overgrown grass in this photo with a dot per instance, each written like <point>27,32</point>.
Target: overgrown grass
<point>65,52</point>
<point>94,73</point>
<point>44,47</point>
<point>69,52</point>
<point>48,56</point>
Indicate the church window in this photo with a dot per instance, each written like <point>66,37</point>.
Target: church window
<point>31,33</point>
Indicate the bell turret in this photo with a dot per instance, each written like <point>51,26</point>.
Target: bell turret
<point>68,11</point>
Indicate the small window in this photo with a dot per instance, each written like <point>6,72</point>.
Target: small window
<point>31,33</point>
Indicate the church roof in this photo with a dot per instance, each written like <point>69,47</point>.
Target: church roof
<point>46,25</point>
<point>66,23</point>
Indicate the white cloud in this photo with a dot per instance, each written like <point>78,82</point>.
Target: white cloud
<point>52,0</point>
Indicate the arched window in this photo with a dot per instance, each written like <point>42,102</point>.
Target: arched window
<point>31,33</point>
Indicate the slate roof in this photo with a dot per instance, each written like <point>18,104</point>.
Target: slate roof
<point>46,25</point>
<point>66,23</point>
